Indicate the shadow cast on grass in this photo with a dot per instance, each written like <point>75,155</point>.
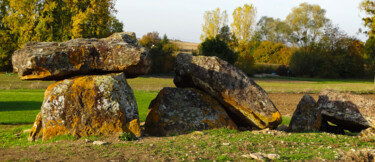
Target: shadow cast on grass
<point>20,105</point>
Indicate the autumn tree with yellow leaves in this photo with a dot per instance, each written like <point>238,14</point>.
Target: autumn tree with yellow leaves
<point>213,21</point>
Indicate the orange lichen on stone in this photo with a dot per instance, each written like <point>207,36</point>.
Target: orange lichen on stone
<point>57,56</point>
<point>43,59</point>
<point>134,127</point>
<point>84,86</point>
<point>50,87</point>
<point>36,130</point>
<point>54,128</point>
<point>258,120</point>
<point>154,116</point>
<point>232,125</point>
<point>75,57</point>
<point>36,74</point>
<point>209,123</point>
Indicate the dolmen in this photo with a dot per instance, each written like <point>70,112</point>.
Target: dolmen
<point>91,95</point>
<point>335,113</point>
<point>210,93</point>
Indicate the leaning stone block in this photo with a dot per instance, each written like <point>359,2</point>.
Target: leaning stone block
<point>249,105</point>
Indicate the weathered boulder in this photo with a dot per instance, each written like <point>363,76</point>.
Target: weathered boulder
<point>344,114</point>
<point>306,117</point>
<point>332,107</point>
<point>365,105</point>
<point>87,106</point>
<point>247,103</point>
<point>177,110</point>
<point>55,61</point>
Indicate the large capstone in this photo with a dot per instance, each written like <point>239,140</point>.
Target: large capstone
<point>177,110</point>
<point>88,106</point>
<point>55,61</point>
<point>306,117</point>
<point>248,104</point>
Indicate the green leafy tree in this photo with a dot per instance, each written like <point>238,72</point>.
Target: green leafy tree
<point>368,6</point>
<point>162,50</point>
<point>273,53</point>
<point>7,43</point>
<point>21,19</point>
<point>273,30</point>
<point>213,21</point>
<point>245,60</point>
<point>52,20</point>
<point>225,34</point>
<point>150,39</point>
<point>243,22</point>
<point>217,47</point>
<point>335,56</point>
<point>306,23</point>
<point>369,54</point>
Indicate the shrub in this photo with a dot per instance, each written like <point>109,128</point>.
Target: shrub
<point>127,137</point>
<point>245,60</point>
<point>163,52</point>
<point>273,53</point>
<point>219,48</point>
<point>306,64</point>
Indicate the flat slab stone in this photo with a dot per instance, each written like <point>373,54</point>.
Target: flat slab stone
<point>249,105</point>
<point>88,106</point>
<point>56,61</point>
<point>177,110</point>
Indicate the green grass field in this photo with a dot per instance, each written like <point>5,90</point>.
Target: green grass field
<point>20,101</point>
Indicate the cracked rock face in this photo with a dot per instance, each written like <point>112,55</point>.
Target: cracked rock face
<point>247,103</point>
<point>87,106</point>
<point>306,117</point>
<point>177,110</point>
<point>60,60</point>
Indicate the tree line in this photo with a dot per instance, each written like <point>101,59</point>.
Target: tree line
<point>306,41</point>
<point>52,20</point>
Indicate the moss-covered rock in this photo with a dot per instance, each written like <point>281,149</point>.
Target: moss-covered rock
<point>249,105</point>
<point>87,106</point>
<point>55,61</point>
<point>177,110</point>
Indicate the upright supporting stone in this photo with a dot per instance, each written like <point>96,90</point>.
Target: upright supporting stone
<point>88,106</point>
<point>306,117</point>
<point>177,110</point>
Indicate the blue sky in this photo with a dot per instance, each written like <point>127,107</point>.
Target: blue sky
<point>183,19</point>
